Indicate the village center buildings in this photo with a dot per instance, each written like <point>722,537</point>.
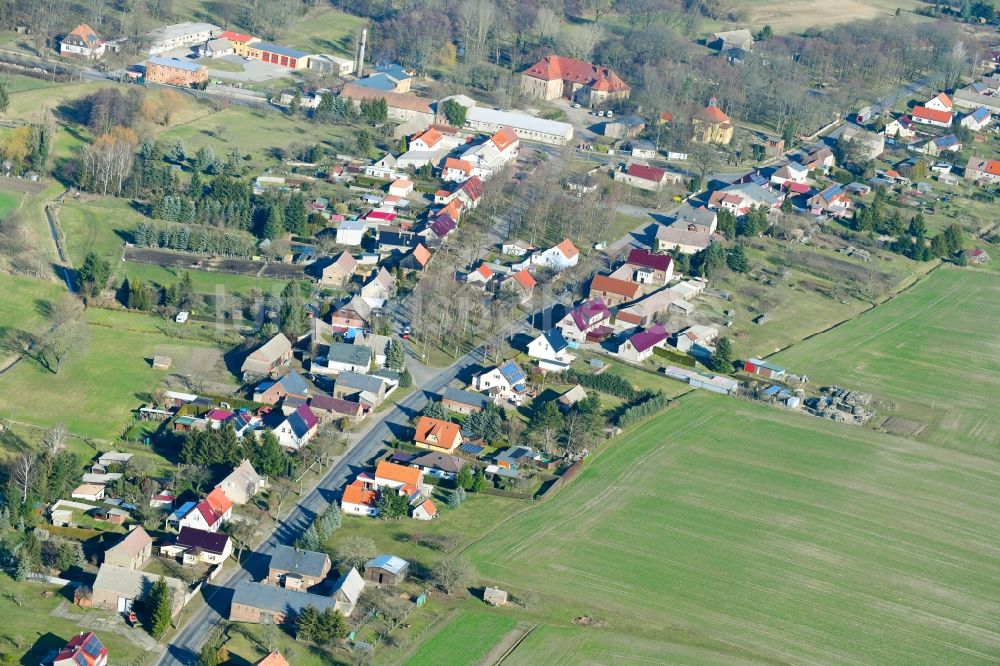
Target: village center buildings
<point>175,72</point>
<point>555,76</point>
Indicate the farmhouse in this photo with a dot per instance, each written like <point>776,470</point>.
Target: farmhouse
<point>613,291</point>
<point>132,552</point>
<point>639,347</point>
<point>490,156</point>
<point>175,72</point>
<point>84,649</point>
<point>646,177</point>
<point>437,435</point>
<point>260,603</point>
<point>819,158</point>
<point>793,172</point>
<point>296,568</point>
<point>555,76</point>
<point>386,570</point>
<point>683,238</point>
<point>521,282</point>
<point>359,388</point>
<point>326,408</point>
<point>901,128</point>
<point>832,201</point>
<point>334,272</point>
<point>269,357</point>
<point>118,588</point>
<point>83,42</point>
<point>940,102</point>
<point>347,357</point>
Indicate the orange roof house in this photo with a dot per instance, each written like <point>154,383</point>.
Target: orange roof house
<point>612,290</point>
<point>453,209</point>
<point>273,659</point>
<point>525,279</point>
<point>504,138</point>
<point>397,476</point>
<point>712,125</point>
<point>567,248</point>
<point>928,116</point>
<point>429,138</point>
<point>421,254</point>
<point>455,164</point>
<point>437,435</point>
<point>356,493</point>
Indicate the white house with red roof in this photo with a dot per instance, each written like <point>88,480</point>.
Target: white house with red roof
<point>558,257</point>
<point>934,117</point>
<point>901,128</point>
<point>940,102</point>
<point>639,346</point>
<point>84,649</point>
<point>83,42</point>
<point>522,282</point>
<point>209,513</point>
<point>647,177</point>
<point>425,510</point>
<point>482,275</point>
<point>584,319</point>
<point>492,155</point>
<point>456,170</point>
<point>360,497</point>
<point>555,76</point>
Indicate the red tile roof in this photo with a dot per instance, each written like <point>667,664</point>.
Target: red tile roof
<point>429,137</point>
<point>485,271</point>
<point>504,138</point>
<point>931,114</point>
<point>82,650</point>
<point>649,173</point>
<point>713,114</point>
<point>399,473</point>
<point>473,188</point>
<point>944,99</point>
<point>273,659</point>
<point>235,36</point>
<point>567,248</point>
<point>356,493</point>
<point>576,71</point>
<point>421,254</point>
<point>525,279</point>
<point>445,433</point>
<point>610,285</point>
<point>458,165</point>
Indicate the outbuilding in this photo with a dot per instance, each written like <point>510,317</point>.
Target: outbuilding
<point>386,570</point>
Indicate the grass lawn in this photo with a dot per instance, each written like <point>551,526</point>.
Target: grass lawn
<point>16,83</point>
<point>97,225</point>
<point>465,639</point>
<point>220,64</point>
<point>97,388</point>
<point>32,632</point>
<point>8,202</point>
<point>205,282</point>
<point>23,300</point>
<point>726,531</point>
<point>325,31</point>
<point>907,351</point>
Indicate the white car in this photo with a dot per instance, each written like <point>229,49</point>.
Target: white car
<point>575,105</point>
<point>181,317</point>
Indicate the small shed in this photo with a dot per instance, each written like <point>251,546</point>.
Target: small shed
<point>162,362</point>
<point>494,596</point>
<point>386,570</point>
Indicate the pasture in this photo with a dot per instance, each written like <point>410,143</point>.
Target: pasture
<point>325,30</point>
<point>725,531</point>
<point>799,15</point>
<point>98,225</point>
<point>933,351</point>
<point>24,303</point>
<point>111,372</point>
<point>464,639</point>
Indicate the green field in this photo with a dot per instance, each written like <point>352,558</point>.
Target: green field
<point>723,530</point>
<point>97,225</point>
<point>8,202</point>
<point>325,31</point>
<point>97,388</point>
<point>933,351</point>
<point>465,639</point>
<point>23,301</point>
<point>204,282</point>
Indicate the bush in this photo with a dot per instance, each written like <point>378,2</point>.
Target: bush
<point>647,406</point>
<point>608,382</point>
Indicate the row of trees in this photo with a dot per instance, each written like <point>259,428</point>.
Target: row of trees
<point>194,238</point>
<point>222,448</point>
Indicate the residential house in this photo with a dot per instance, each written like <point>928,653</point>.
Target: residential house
<point>402,107</point>
<point>351,232</point>
<point>297,429</point>
<point>934,117</point>
<point>335,272</point>
<point>270,356</point>
<point>516,248</point>
<point>353,315</point>
<point>793,172</point>
<point>649,267</point>
<point>401,187</point>
<point>438,465</point>
<point>522,282</point>
<point>819,159</point>
<point>378,344</point>
<point>424,510</point>
<point>977,120</point>
<point>175,72</point>
<point>84,649</point>
<point>275,658</point>
<point>437,435</point>
<point>379,287</point>
<point>132,552</point>
<point>260,603</point>
<point>398,478</point>
<point>502,383</point>
<point>347,357</point>
<point>901,129</point>
<point>739,198</point>
<point>647,177</point>
<point>493,154</point>
<point>831,201</point>
<point>385,169</point>
<point>456,170</point>
<point>639,346</point>
<point>118,588</point>
<point>584,320</point>
<point>551,350</point>
<point>386,570</point>
<point>624,127</point>
<point>981,170</point>
<point>558,257</point>
<point>417,258</point>
<point>555,76</point>
<point>682,238</point>
<point>441,226</point>
<point>242,484</point>
<point>347,591</point>
<point>613,291</point>
<point>209,513</point>
<point>701,219</point>
<point>940,144</point>
<point>712,125</point>
<point>297,568</point>
<point>697,340</point>
<point>755,366</point>
<point>868,144</point>
<point>366,389</point>
<point>463,402</point>
<point>195,546</point>
<point>91,492</point>
<point>940,102</point>
<point>359,499</point>
<point>216,48</point>
<point>272,392</point>
<point>83,42</point>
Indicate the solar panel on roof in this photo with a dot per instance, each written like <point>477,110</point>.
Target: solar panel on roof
<point>80,659</point>
<point>474,449</point>
<point>511,372</point>
<point>93,646</point>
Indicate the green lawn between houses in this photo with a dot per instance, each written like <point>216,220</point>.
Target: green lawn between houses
<point>465,639</point>
<point>724,530</point>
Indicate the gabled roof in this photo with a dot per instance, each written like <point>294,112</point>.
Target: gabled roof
<point>473,188</point>
<point>555,339</point>
<point>458,165</point>
<point>214,506</point>
<point>292,382</point>
<point>399,473</point>
<point>210,542</point>
<point>273,349</point>
<point>567,248</point>
<point>712,114</point>
<point>484,271</point>
<point>941,97</point>
<point>645,172</point>
<point>430,137</point>
<point>524,279</point>
<point>351,354</point>
<point>302,420</point>
<point>328,403</point>
<point>610,285</point>
<point>931,114</point>
<point>651,336</point>
<point>421,254</point>
<point>389,563</point>
<point>432,431</point>
<point>439,461</point>
<point>464,397</point>
<point>273,659</point>
<point>357,493</point>
<point>576,71</point>
<point>84,649</point>
<point>443,225</point>
<point>504,138</point>
<point>584,312</point>
<point>87,34</point>
<point>299,561</point>
<point>980,114</point>
<point>393,99</point>
<point>349,586</point>
<point>428,506</point>
<point>279,599</point>
<point>359,382</point>
<point>133,543</point>
<point>642,257</point>
<point>512,372</point>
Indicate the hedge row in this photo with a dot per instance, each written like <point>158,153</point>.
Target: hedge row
<point>648,405</point>
<point>607,382</point>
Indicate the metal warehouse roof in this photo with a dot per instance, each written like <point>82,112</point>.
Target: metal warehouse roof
<point>280,50</point>
<point>176,63</point>
<point>519,121</point>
